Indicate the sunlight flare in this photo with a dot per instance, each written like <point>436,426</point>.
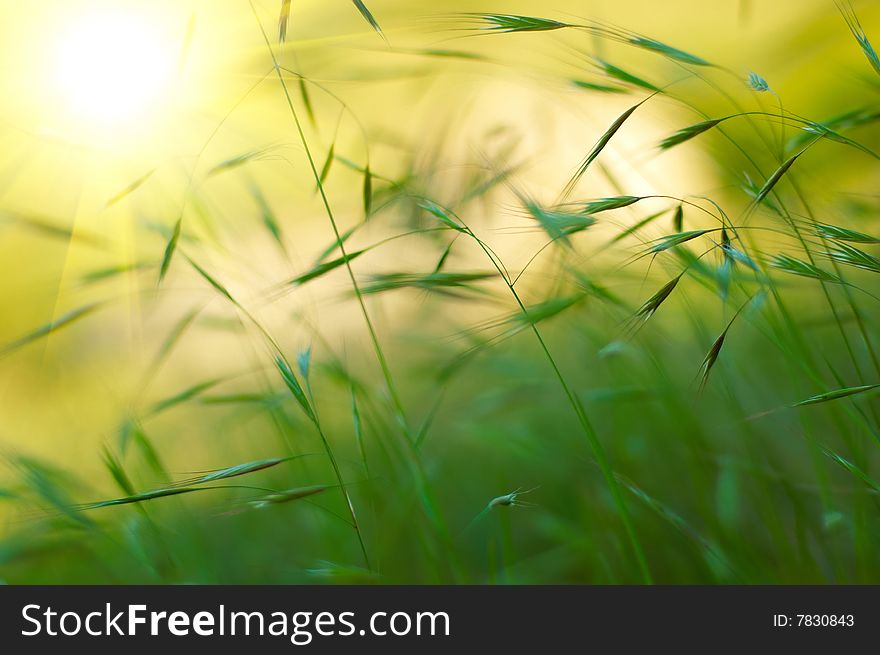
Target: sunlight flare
<point>114,68</point>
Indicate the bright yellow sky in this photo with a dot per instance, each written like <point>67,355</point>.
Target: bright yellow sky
<point>101,94</point>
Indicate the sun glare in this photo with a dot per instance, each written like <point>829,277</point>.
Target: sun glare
<point>113,68</point>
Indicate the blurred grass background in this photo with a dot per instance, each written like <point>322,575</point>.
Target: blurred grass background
<point>117,379</point>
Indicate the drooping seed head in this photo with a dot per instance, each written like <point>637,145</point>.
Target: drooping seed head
<point>512,499</point>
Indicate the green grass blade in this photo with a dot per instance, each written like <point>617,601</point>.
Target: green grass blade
<point>169,250</point>
<point>131,188</point>
<point>50,327</point>
<point>325,267</point>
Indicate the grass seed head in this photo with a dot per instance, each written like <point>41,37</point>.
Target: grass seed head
<point>368,16</point>
<point>802,268</point>
<point>559,224</point>
<point>653,303</point>
<point>688,133</point>
<point>623,76</point>
<point>516,23</point>
<point>678,219</point>
<point>672,240</point>
<point>852,256</point>
<point>836,394</point>
<point>843,234</point>
<point>600,145</point>
<point>283,20</point>
<point>513,499</point>
<point>289,495</point>
<point>668,51</point>
<point>605,204</point>
<point>855,26</point>
<point>757,83</point>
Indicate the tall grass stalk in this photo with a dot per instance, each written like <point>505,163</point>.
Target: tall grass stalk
<point>400,414</point>
<point>587,427</point>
